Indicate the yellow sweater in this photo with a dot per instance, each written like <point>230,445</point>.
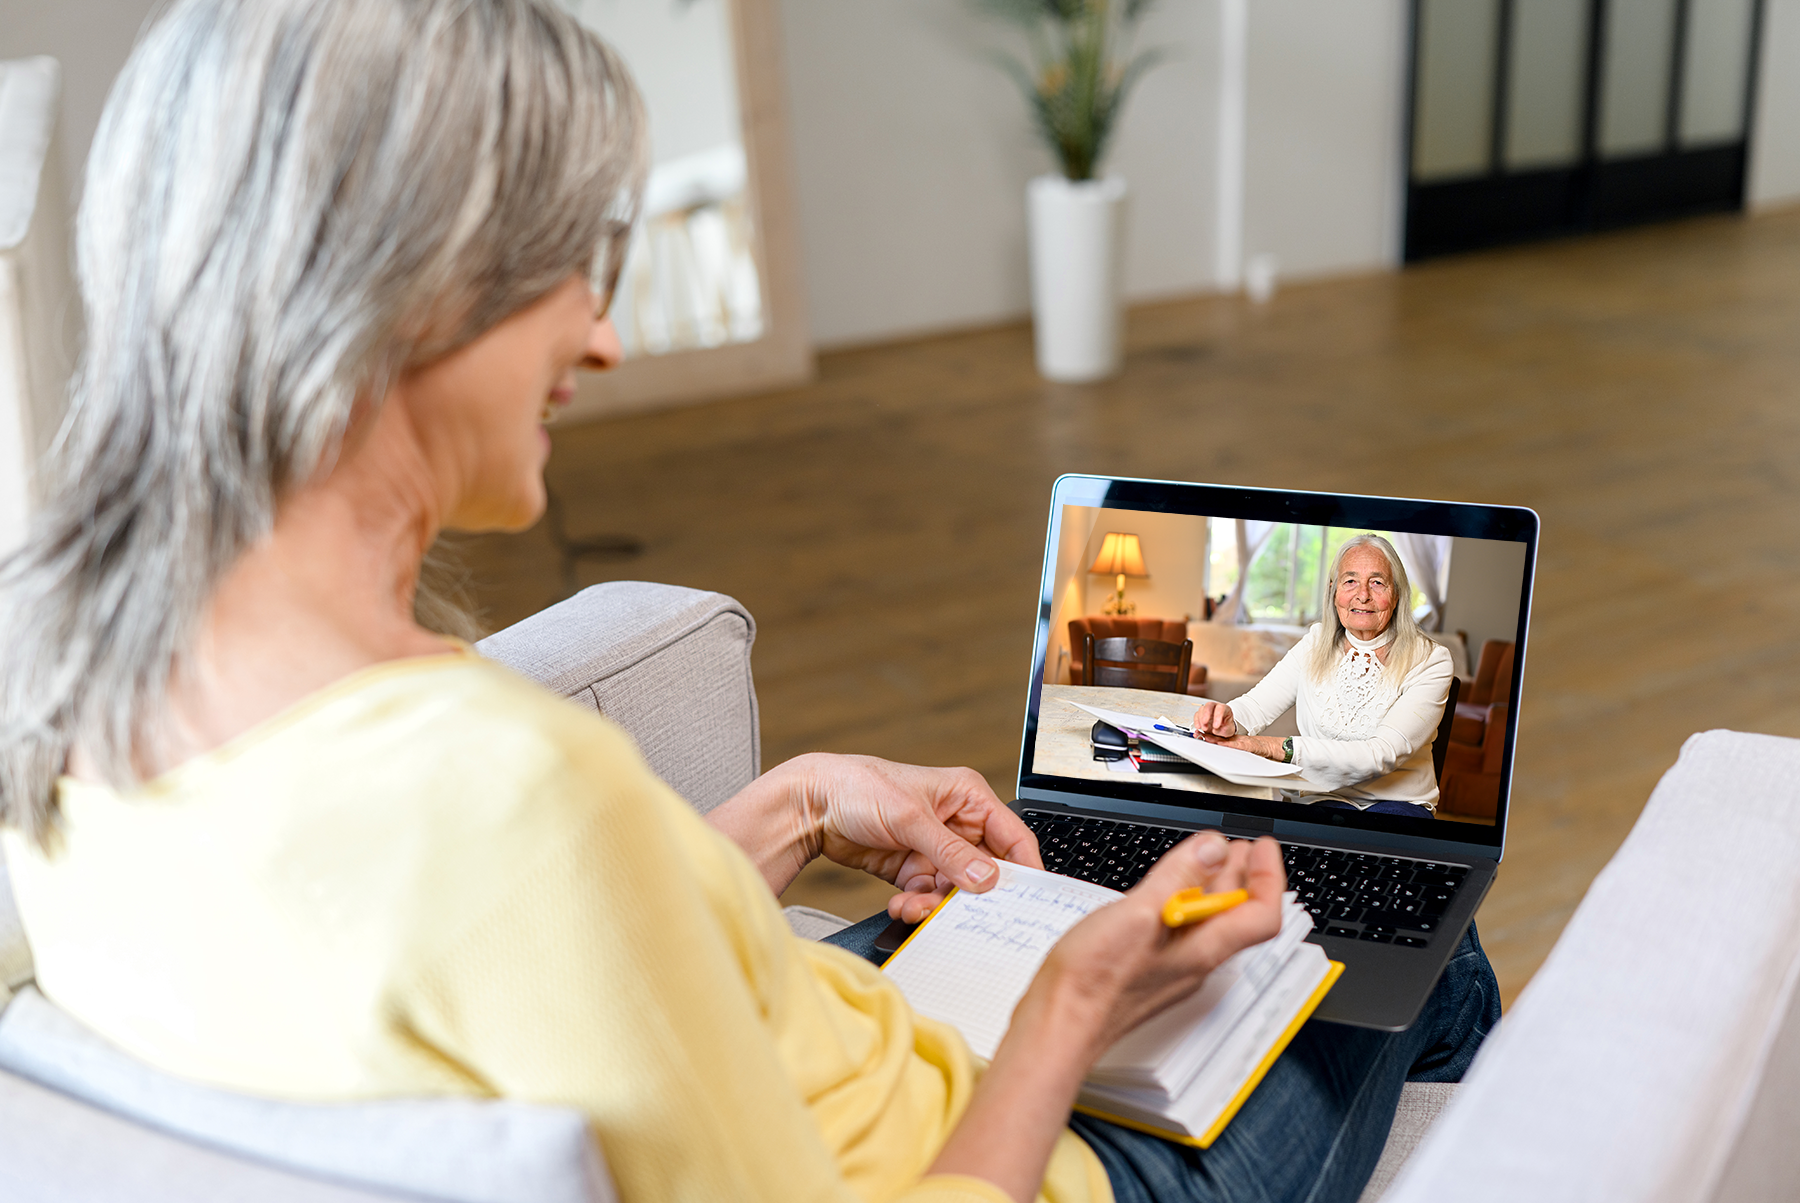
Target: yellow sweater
<point>434,878</point>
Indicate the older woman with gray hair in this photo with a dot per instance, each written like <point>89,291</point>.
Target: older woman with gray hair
<point>272,827</point>
<point>1368,688</point>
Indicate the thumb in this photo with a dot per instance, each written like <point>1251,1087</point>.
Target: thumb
<point>967,866</point>
<point>1196,861</point>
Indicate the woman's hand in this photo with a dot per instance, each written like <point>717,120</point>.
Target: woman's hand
<point>1112,971</point>
<point>1214,722</point>
<point>1263,745</point>
<point>1121,964</point>
<point>922,829</point>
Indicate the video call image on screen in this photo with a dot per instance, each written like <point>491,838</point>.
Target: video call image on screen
<point>1242,596</point>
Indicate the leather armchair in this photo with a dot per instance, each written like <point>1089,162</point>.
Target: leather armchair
<point>1493,686</point>
<point>1471,779</point>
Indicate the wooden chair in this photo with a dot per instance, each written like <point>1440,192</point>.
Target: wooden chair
<point>1110,626</point>
<point>1440,747</point>
<point>1136,663</point>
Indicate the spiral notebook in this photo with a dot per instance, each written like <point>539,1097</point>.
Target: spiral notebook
<point>1183,1074</point>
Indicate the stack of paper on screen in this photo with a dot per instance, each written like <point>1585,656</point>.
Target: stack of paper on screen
<point>1233,764</point>
<point>1183,1074</point>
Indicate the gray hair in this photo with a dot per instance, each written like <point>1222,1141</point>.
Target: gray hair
<point>1410,645</point>
<point>288,203</point>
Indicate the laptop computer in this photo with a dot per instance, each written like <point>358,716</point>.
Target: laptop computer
<point>1391,887</point>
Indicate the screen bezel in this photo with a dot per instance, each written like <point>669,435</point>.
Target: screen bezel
<point>1465,519</point>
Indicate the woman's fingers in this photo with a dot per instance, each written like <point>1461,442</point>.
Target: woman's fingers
<point>1212,863</point>
<point>913,908</point>
<point>1258,870</point>
<point>1214,718</point>
<point>1195,862</point>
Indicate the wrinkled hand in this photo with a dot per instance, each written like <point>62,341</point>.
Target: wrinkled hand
<point>922,829</point>
<point>1121,965</point>
<point>1214,722</point>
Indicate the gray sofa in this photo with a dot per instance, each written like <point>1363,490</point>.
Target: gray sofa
<point>1649,1059</point>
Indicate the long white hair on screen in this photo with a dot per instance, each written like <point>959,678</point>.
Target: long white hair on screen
<point>1410,645</point>
<point>288,203</point>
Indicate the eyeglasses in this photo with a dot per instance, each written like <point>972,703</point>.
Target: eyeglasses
<point>609,262</point>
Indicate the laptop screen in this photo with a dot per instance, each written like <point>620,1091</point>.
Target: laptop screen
<point>1186,633</point>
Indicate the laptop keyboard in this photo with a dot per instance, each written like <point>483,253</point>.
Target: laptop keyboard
<point>1355,895</point>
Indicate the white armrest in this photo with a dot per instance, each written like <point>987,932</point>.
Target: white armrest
<point>1656,1055</point>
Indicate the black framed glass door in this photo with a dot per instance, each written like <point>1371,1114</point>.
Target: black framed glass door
<point>1534,118</point>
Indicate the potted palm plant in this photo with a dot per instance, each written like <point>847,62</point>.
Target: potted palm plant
<point>1076,73</point>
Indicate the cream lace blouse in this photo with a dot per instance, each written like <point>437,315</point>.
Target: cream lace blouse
<point>1364,737</point>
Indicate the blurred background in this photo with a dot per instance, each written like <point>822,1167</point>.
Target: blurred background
<point>1534,252</point>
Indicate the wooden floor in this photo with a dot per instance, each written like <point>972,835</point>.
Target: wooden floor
<point>1641,391</point>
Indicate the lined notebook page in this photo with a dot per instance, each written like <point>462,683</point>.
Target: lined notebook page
<point>972,962</point>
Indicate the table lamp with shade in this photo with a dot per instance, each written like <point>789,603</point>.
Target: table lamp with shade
<point>1120,556</point>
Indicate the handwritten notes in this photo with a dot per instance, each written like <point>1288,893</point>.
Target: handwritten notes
<point>1007,932</point>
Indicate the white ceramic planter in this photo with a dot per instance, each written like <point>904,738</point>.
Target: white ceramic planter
<point>1077,257</point>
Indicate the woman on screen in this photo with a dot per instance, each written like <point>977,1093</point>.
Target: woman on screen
<point>1369,688</point>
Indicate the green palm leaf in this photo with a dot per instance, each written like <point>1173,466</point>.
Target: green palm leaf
<point>1073,82</point>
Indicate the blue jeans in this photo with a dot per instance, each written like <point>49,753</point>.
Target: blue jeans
<point>1314,1128</point>
<point>1410,810</point>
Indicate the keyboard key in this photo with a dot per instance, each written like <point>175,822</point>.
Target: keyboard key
<point>1411,941</point>
<point>1348,933</point>
<point>1396,920</point>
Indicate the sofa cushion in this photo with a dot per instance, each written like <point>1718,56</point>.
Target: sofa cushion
<point>810,923</point>
<point>454,1150</point>
<point>669,665</point>
<point>1420,1103</point>
<point>55,1148</point>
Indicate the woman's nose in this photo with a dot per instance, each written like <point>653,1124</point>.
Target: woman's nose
<point>603,347</point>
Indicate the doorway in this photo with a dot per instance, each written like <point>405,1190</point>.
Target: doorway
<point>1536,118</point>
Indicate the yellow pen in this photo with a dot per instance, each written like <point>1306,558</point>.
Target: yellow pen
<point>1191,906</point>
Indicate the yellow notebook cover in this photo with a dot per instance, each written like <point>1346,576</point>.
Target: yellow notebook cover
<point>1205,1139</point>
<point>1333,971</point>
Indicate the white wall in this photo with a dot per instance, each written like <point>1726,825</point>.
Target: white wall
<point>681,55</point>
<point>1483,596</point>
<point>1775,141</point>
<point>912,152</point>
<point>91,39</point>
<point>1325,134</point>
